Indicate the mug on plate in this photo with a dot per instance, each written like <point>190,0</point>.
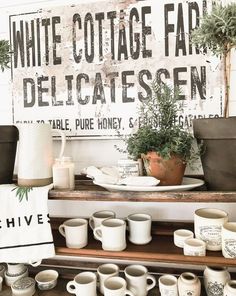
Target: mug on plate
<point>137,278</point>
<point>139,226</point>
<point>229,240</point>
<point>76,232</point>
<point>207,226</point>
<point>112,234</point>
<point>104,272</point>
<point>84,284</point>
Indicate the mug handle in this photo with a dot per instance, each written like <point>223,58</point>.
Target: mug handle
<point>152,285</point>
<point>97,233</point>
<point>62,230</point>
<point>69,287</point>
<point>91,223</point>
<point>128,292</point>
<point>63,140</point>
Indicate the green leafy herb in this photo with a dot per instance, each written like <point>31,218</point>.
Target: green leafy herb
<point>217,32</point>
<point>22,192</point>
<point>158,130</point>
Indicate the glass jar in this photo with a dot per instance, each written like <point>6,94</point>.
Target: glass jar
<point>64,173</point>
<point>128,167</point>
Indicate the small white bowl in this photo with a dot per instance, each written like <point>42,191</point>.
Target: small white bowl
<point>181,235</point>
<point>23,287</point>
<point>14,269</point>
<point>46,279</point>
<point>194,247</point>
<point>10,279</point>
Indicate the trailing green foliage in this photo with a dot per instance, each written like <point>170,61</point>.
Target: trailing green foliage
<point>22,192</point>
<point>158,130</point>
<point>4,54</point>
<point>217,30</point>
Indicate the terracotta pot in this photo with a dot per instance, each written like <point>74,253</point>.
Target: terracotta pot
<point>168,171</point>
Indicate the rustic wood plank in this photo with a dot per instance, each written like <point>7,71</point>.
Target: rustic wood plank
<point>86,191</point>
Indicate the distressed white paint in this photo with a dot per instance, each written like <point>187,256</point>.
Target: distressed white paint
<point>93,152</point>
<point>120,113</point>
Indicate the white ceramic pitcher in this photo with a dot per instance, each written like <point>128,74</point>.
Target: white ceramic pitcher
<point>35,153</point>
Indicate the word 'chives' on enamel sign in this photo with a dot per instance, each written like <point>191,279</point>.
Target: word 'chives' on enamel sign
<point>85,68</point>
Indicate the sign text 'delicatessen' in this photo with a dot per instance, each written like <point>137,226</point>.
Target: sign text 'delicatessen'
<point>85,68</point>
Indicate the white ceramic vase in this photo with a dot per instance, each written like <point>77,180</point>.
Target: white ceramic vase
<point>189,284</point>
<point>215,279</point>
<point>230,288</point>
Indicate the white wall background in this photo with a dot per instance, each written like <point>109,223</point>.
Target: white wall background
<point>94,152</point>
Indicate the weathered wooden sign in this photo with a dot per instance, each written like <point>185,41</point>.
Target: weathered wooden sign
<point>85,68</point>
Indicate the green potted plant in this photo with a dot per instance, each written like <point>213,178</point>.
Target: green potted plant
<point>165,147</point>
<point>217,32</point>
<point>8,133</point>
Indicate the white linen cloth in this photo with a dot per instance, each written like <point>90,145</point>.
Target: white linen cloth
<point>25,231</point>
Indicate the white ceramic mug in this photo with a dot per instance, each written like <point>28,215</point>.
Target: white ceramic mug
<point>168,285</point>
<point>96,219</point>
<point>194,247</point>
<point>207,226</point>
<point>104,272</point>
<point>137,277</point>
<point>76,232</point>
<point>84,284</point>
<point>116,286</point>
<point>112,234</point>
<point>229,240</point>
<point>139,226</point>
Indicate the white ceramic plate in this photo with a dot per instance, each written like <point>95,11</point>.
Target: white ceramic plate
<point>187,184</point>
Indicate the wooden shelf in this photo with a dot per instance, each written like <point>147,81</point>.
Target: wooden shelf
<point>86,191</point>
<point>160,249</point>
